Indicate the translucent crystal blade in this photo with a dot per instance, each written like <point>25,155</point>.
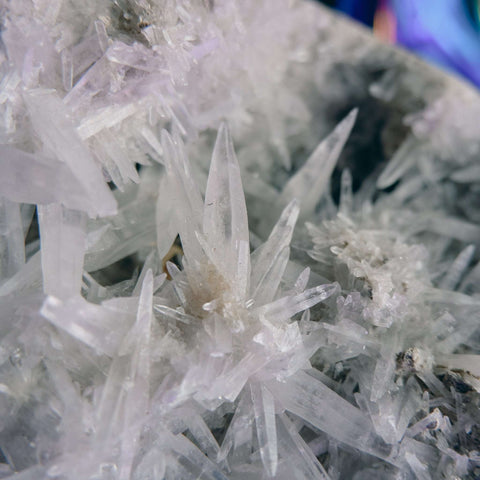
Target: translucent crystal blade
<point>385,367</point>
<point>284,308</point>
<point>63,234</point>
<point>346,194</point>
<point>458,268</point>
<point>33,179</point>
<point>310,183</point>
<point>268,285</point>
<point>99,327</point>
<point>197,463</point>
<point>468,174</point>
<point>420,470</point>
<point>292,446</point>
<point>454,228</point>
<point>225,221</point>
<point>240,431</point>
<point>121,411</point>
<point>264,408</point>
<point>267,254</point>
<point>399,164</point>
<point>28,278</point>
<point>12,245</point>
<point>52,125</point>
<point>231,384</point>
<point>463,362</point>
<point>317,404</point>
<point>203,436</point>
<point>185,195</point>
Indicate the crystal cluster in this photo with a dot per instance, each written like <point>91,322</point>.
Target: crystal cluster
<point>237,241</point>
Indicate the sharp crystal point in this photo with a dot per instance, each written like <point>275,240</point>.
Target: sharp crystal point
<point>286,307</point>
<point>299,456</point>
<point>225,223</point>
<point>274,253</point>
<point>310,183</point>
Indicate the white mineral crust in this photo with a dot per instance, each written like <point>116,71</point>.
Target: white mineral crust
<point>308,310</point>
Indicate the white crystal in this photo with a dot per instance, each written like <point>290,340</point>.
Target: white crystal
<point>63,235</point>
<point>311,181</point>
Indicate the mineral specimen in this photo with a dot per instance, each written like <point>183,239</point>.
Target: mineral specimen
<point>308,310</point>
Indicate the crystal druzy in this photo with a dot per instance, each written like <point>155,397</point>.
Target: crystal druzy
<point>238,240</point>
